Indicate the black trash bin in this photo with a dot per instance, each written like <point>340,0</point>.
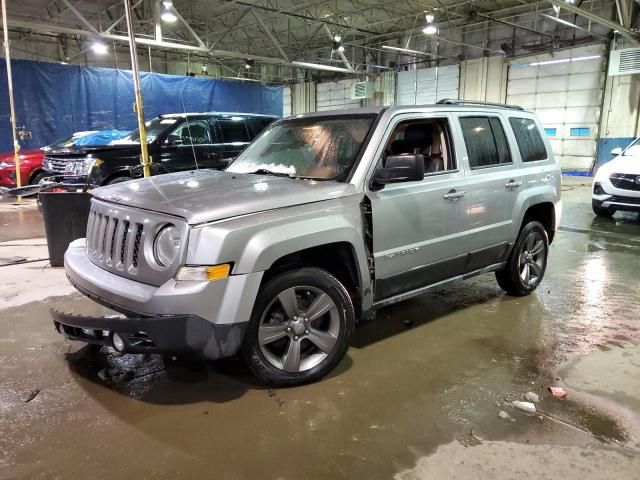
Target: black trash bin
<point>65,219</point>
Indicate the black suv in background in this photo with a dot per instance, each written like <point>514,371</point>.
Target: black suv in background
<point>176,142</point>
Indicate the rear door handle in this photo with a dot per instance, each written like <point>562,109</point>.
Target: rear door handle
<point>513,184</point>
<point>453,195</point>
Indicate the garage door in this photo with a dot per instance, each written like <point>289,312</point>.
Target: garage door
<point>335,96</point>
<point>566,92</point>
<point>427,85</point>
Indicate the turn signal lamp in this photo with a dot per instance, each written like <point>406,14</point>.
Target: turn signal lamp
<point>202,273</point>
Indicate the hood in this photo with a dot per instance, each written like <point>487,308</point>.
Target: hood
<point>95,149</point>
<point>24,155</point>
<point>622,164</point>
<point>207,195</point>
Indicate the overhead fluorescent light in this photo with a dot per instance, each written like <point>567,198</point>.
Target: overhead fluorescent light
<point>565,60</point>
<point>407,50</point>
<point>319,66</point>
<point>560,20</point>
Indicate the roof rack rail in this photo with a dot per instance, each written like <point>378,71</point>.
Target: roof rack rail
<point>453,101</point>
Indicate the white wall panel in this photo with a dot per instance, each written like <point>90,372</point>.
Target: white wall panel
<point>335,95</point>
<point>564,96</point>
<point>427,85</point>
<point>286,102</point>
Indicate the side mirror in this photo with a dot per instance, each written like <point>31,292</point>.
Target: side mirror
<point>616,151</point>
<point>400,168</point>
<point>173,141</point>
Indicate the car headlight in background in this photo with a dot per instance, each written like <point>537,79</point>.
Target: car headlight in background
<point>83,167</point>
<point>6,165</point>
<point>166,245</point>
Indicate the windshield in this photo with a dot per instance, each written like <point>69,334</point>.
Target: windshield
<point>319,148</point>
<point>633,150</point>
<point>154,128</point>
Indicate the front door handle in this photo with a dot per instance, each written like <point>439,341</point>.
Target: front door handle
<point>453,195</point>
<point>513,184</point>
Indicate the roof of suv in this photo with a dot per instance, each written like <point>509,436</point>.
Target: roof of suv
<point>218,114</point>
<point>474,106</point>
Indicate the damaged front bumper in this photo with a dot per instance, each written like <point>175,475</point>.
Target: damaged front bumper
<point>156,334</point>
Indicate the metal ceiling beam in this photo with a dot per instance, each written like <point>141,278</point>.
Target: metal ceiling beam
<point>598,19</point>
<point>228,29</point>
<point>81,17</point>
<point>513,25</point>
<point>121,17</point>
<point>270,34</point>
<point>175,46</point>
<point>189,29</point>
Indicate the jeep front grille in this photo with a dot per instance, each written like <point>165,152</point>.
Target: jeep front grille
<point>118,237</point>
<point>625,181</point>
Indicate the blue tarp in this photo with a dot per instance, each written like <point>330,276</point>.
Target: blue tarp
<point>53,100</point>
<point>103,137</point>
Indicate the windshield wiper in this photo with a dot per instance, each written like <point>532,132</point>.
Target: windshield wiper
<point>264,171</point>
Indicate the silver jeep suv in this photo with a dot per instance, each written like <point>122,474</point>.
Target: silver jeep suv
<point>320,221</point>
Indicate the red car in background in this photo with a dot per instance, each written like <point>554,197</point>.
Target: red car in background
<point>31,162</point>
<point>30,168</point>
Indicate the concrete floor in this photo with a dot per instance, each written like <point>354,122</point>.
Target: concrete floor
<point>417,397</point>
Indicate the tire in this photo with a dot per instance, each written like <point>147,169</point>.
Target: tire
<point>601,211</point>
<point>282,338</point>
<point>35,179</point>
<point>114,180</point>
<point>527,262</point>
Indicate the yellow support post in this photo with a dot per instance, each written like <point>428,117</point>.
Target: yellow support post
<point>144,158</point>
<point>7,57</point>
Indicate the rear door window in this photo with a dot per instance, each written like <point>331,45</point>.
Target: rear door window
<point>486,142</point>
<point>230,130</point>
<point>528,139</point>
<point>258,124</point>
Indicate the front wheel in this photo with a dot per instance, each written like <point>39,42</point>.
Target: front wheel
<point>528,261</point>
<point>300,328</point>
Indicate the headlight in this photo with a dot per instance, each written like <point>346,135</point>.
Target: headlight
<point>6,165</point>
<point>166,245</point>
<point>83,167</point>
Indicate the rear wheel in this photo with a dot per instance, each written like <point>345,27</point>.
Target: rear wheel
<point>601,211</point>
<point>528,261</point>
<point>300,327</point>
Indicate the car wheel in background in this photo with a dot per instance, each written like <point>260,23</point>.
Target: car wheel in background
<point>35,179</point>
<point>527,262</point>
<point>115,180</point>
<point>300,328</point>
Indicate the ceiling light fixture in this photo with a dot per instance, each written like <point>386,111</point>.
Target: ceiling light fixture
<point>337,38</point>
<point>168,15</point>
<point>430,28</point>
<point>248,64</point>
<point>337,46</point>
<point>99,48</point>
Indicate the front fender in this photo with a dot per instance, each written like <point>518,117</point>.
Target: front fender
<point>255,242</point>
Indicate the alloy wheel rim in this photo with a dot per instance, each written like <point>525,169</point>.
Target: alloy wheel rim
<point>299,329</point>
<point>532,259</point>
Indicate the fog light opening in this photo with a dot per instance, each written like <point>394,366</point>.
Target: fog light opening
<point>118,343</point>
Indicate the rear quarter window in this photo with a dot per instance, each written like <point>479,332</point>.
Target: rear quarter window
<point>529,140</point>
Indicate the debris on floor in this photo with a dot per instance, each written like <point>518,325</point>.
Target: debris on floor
<point>558,392</point>
<point>524,406</point>
<point>532,397</point>
<point>505,416</point>
<point>32,394</point>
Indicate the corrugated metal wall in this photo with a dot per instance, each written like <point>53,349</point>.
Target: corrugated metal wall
<point>566,96</point>
<point>335,95</point>
<point>427,85</point>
